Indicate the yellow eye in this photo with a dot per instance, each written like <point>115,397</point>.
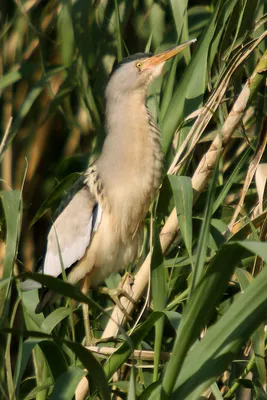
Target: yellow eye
<point>138,65</point>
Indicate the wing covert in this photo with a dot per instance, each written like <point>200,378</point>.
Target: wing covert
<point>72,231</point>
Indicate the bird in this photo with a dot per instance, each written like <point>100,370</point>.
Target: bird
<point>98,228</point>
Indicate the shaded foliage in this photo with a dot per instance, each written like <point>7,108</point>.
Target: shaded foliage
<point>209,290</point>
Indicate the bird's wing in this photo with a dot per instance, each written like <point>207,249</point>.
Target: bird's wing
<point>72,231</point>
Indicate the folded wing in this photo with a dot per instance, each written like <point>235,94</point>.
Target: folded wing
<point>71,232</point>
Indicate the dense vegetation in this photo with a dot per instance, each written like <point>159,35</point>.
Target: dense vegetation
<point>202,318</point>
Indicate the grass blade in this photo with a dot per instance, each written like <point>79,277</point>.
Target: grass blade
<point>199,308</point>
<point>223,340</point>
<point>67,383</point>
<point>124,351</point>
<point>159,294</point>
<point>189,93</point>
<point>183,196</point>
<point>12,206</point>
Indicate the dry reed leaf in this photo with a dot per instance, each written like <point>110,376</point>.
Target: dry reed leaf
<point>7,157</point>
<point>208,110</point>
<point>250,174</point>
<point>254,219</point>
<point>3,142</point>
<point>261,178</point>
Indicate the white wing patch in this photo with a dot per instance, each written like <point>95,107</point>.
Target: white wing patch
<point>71,232</point>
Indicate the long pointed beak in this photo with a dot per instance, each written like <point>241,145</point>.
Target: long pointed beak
<point>165,55</point>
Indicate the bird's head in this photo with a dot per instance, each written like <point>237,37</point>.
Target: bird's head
<point>136,72</point>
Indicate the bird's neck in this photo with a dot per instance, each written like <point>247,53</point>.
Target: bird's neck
<point>126,117</point>
<point>131,161</point>
<point>128,130</point>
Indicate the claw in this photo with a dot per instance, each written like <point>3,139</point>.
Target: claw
<point>115,294</point>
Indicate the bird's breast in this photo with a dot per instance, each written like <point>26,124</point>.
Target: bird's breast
<point>130,169</point>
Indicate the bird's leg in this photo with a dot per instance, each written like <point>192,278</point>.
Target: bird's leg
<point>89,339</point>
<point>115,294</point>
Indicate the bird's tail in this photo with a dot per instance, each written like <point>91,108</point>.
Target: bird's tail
<point>46,296</point>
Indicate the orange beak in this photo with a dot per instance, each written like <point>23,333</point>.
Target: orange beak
<point>165,55</point>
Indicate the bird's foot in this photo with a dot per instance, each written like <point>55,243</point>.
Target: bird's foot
<point>91,341</point>
<point>115,294</point>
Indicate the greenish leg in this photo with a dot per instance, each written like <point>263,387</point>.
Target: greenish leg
<point>89,338</point>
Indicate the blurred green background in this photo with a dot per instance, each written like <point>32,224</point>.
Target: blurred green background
<point>55,59</point>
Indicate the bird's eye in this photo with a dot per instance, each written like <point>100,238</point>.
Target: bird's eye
<point>138,65</point>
